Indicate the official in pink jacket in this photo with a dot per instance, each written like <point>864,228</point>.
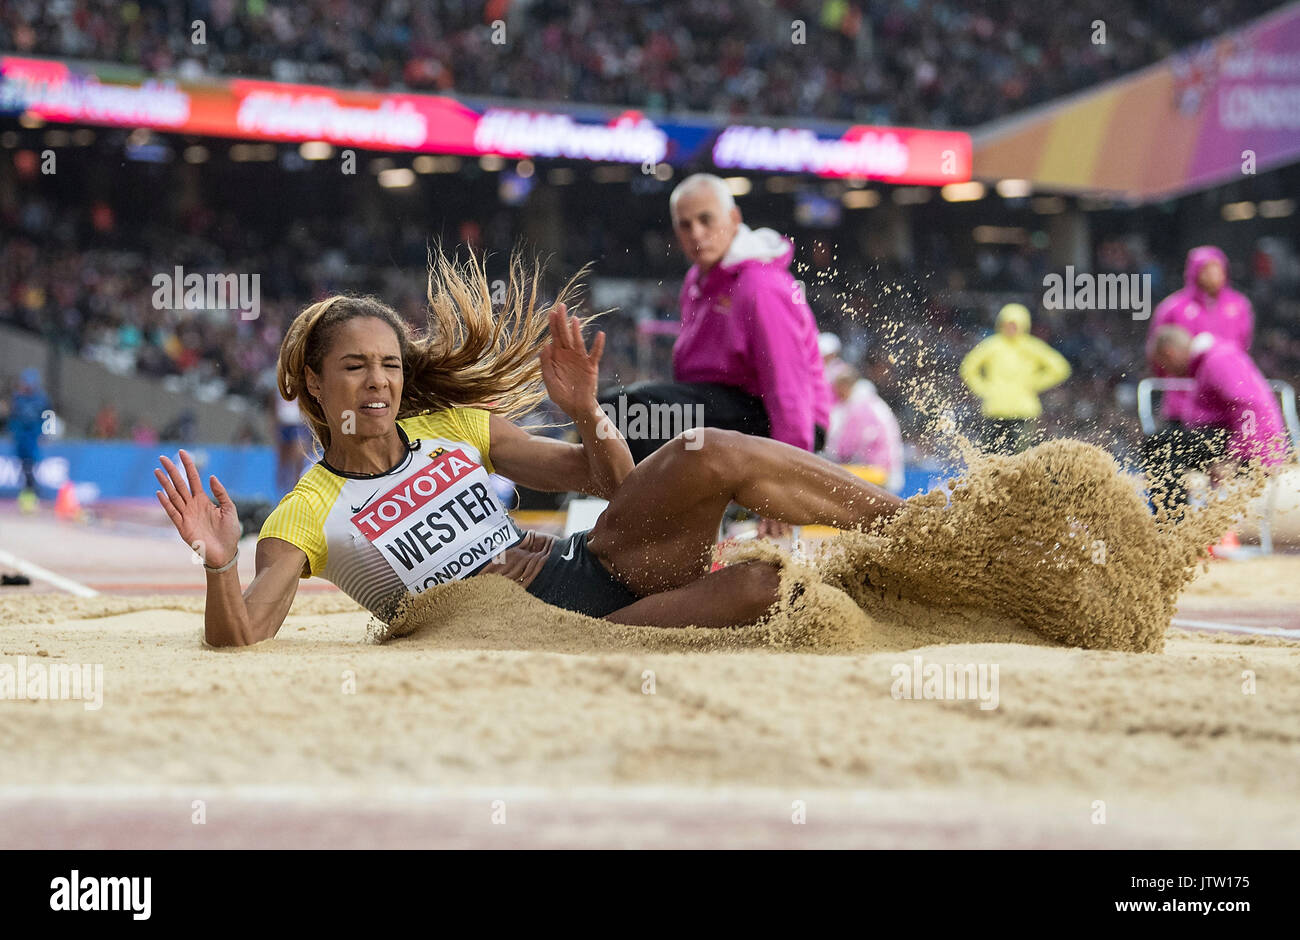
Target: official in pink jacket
<point>747,355</point>
<point>1231,404</point>
<point>1205,304</point>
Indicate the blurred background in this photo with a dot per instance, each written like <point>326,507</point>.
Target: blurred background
<point>931,163</point>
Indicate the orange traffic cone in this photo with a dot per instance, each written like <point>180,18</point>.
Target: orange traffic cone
<point>1226,546</point>
<point>65,504</point>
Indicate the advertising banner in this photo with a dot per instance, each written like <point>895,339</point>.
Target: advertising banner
<point>274,111</point>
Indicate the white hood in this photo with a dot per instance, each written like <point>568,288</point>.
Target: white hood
<point>762,244</point>
<point>865,388</point>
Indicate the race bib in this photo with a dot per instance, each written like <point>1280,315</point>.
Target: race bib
<point>439,524</point>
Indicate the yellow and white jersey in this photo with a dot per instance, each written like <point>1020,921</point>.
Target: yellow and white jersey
<point>379,536</point>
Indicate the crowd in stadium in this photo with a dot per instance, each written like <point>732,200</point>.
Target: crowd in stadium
<point>91,293</point>
<point>82,277</point>
<point>928,63</point>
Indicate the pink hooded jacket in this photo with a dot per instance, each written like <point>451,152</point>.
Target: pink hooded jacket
<point>863,430</point>
<point>745,323</point>
<point>1228,317</point>
<point>1231,393</point>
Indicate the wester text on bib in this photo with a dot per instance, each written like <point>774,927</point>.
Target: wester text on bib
<point>439,524</point>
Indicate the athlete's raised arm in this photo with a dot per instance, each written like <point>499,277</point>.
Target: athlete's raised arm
<point>597,465</point>
<point>212,529</point>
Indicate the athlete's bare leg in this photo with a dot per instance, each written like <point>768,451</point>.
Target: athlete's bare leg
<point>658,532</point>
<point>729,597</point>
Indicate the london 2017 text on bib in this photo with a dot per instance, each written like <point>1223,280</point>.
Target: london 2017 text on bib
<point>439,524</point>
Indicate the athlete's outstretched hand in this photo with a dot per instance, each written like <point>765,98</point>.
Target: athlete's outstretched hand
<point>211,529</point>
<point>570,372</point>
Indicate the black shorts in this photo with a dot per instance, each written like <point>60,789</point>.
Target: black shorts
<point>579,582</point>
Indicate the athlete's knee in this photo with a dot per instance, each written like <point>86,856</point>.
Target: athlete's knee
<point>719,449</point>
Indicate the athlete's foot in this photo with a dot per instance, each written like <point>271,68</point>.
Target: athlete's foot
<point>14,579</point>
<point>27,501</point>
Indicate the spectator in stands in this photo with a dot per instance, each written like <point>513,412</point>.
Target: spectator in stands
<point>143,432</point>
<point>7,389</point>
<point>863,429</point>
<point>829,345</point>
<point>184,428</point>
<point>748,350</point>
<point>29,409</point>
<point>8,578</point>
<point>1205,304</point>
<point>105,426</point>
<point>1008,371</point>
<point>292,438</point>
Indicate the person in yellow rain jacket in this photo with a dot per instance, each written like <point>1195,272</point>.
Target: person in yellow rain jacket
<point>1008,371</point>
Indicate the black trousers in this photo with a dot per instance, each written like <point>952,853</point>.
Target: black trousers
<point>715,406</point>
<point>1177,450</point>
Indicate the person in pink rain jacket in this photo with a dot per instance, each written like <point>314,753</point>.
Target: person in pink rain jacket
<point>747,357</point>
<point>1205,304</point>
<point>863,429</point>
<point>1231,399</point>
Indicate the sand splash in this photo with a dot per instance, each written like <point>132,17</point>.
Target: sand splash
<point>1056,539</point>
<point>1052,546</point>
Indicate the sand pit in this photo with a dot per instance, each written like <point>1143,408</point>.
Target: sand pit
<point>464,710</point>
<point>469,714</point>
<point>599,734</point>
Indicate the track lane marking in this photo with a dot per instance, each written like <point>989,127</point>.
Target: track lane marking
<point>33,570</point>
<point>1217,626</point>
